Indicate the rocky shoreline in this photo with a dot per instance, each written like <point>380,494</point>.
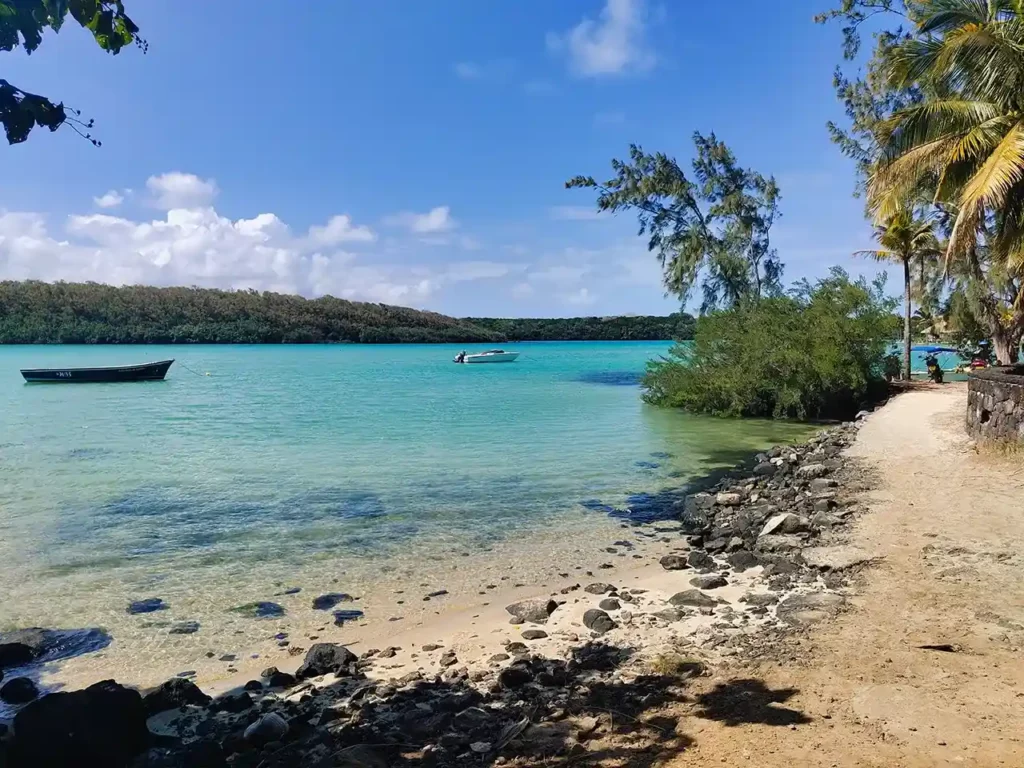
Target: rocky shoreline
<point>583,673</point>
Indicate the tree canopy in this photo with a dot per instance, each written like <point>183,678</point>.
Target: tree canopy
<point>22,24</point>
<point>711,229</point>
<point>88,313</point>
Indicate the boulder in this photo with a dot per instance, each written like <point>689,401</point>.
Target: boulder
<point>260,610</point>
<point>280,680</point>
<point>534,611</point>
<point>709,581</point>
<point>15,655</point>
<point>598,621</point>
<point>700,560</point>
<point>786,522</point>
<point>514,677</point>
<point>692,598</point>
<point>741,560</point>
<point>811,471</point>
<point>779,543</point>
<point>176,692</point>
<point>729,499</point>
<point>765,469</point>
<point>534,634</point>
<point>18,690</point>
<point>102,725</point>
<point>609,604</point>
<point>674,562</point>
<point>598,588</point>
<point>270,727</point>
<point>149,605</point>
<point>324,658</point>
<point>331,599</point>
<point>670,615</point>
<point>819,484</point>
<point>234,702</point>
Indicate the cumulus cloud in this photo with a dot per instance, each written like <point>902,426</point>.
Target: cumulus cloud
<point>434,221</point>
<point>111,199</point>
<point>181,190</point>
<point>580,298</point>
<point>613,44</point>
<point>339,229</point>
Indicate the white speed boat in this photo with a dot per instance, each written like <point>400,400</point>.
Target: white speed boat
<point>490,356</point>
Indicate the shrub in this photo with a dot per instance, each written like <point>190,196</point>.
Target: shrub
<point>818,352</point>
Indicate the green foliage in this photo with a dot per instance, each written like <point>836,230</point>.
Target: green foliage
<point>713,228</point>
<point>22,23</point>
<point>819,352</point>
<point>636,328</point>
<point>87,313</point>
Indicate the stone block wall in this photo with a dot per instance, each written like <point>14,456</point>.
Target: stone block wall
<point>995,404</point>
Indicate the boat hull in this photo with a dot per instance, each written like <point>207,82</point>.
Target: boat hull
<point>505,357</point>
<point>144,372</point>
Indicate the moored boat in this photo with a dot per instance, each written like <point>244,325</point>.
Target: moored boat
<point>490,356</point>
<point>143,372</point>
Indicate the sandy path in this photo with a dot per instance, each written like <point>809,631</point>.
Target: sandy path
<point>947,526</point>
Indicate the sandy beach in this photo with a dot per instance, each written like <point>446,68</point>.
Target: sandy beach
<point>878,624</point>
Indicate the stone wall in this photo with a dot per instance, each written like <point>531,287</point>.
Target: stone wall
<point>995,404</point>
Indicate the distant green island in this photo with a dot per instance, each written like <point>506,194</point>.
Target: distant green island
<point>33,312</point>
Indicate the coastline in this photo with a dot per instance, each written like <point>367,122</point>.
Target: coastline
<point>752,581</point>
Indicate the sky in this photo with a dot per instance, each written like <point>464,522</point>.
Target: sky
<point>415,153</point>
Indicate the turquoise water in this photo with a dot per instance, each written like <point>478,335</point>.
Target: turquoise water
<point>292,460</point>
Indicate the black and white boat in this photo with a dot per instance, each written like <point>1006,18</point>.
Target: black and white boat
<point>143,372</point>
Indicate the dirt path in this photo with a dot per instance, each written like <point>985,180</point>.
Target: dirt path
<point>947,528</point>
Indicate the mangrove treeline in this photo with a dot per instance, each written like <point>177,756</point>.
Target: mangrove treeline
<point>34,312</point>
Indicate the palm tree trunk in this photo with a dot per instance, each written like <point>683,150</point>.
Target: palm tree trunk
<point>906,319</point>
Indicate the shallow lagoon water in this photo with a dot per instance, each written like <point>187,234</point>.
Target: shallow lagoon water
<point>331,468</point>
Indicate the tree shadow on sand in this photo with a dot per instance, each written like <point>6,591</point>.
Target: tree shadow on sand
<point>739,702</point>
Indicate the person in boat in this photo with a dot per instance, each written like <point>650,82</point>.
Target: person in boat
<point>461,357</point>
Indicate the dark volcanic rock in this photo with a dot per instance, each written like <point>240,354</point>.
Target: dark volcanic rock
<point>15,654</point>
<point>534,634</point>
<point>742,559</point>
<point>765,469</point>
<point>18,690</point>
<point>324,658</point>
<point>331,599</point>
<point>234,702</point>
<point>709,581</point>
<point>534,611</point>
<point>674,562</point>
<point>598,588</point>
<point>102,725</point>
<point>176,692</point>
<point>280,679</point>
<point>693,598</point>
<point>700,560</point>
<point>342,616</point>
<point>184,628</point>
<point>514,677</point>
<point>148,605</point>
<point>260,610</point>
<point>609,604</point>
<point>598,621</point>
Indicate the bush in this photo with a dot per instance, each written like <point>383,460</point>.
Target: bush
<point>818,352</point>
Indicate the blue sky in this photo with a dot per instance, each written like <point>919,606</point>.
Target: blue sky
<point>415,152</point>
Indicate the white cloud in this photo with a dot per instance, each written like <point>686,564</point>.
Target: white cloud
<point>468,70</point>
<point>111,199</point>
<point>576,213</point>
<point>181,190</point>
<point>463,271</point>
<point>435,220</point>
<point>522,290</point>
<point>613,44</point>
<point>339,229</point>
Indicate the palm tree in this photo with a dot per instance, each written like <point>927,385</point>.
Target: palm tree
<point>905,239</point>
<point>964,143</point>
